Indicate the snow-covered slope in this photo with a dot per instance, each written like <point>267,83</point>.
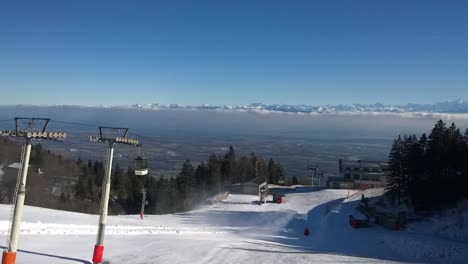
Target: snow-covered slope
<point>238,230</point>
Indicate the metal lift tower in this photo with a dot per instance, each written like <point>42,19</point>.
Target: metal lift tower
<point>105,136</point>
<point>29,134</point>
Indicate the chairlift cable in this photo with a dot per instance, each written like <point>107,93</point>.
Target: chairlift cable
<point>141,136</point>
<point>74,123</point>
<point>141,163</point>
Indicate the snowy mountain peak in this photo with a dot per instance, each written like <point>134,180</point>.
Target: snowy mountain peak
<point>455,106</point>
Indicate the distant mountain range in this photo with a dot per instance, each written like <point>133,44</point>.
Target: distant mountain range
<point>456,106</point>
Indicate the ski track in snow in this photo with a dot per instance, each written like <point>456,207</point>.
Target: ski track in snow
<point>235,231</point>
<point>71,229</point>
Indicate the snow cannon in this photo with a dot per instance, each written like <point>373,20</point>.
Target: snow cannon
<point>358,223</point>
<point>306,231</point>
<point>279,198</point>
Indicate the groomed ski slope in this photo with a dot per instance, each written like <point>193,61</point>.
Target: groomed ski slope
<point>236,231</point>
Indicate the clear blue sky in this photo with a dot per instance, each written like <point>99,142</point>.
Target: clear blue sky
<point>232,52</point>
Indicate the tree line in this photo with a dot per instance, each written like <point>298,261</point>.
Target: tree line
<point>431,171</point>
<point>126,187</point>
<point>191,187</point>
<point>75,185</point>
<point>219,173</point>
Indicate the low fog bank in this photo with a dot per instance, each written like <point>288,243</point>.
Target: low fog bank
<point>374,125</point>
<point>297,140</point>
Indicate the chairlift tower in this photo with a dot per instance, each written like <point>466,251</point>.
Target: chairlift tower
<point>143,203</point>
<point>106,136</point>
<point>316,174</point>
<point>24,128</point>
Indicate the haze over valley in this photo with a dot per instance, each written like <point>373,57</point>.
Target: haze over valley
<point>170,136</point>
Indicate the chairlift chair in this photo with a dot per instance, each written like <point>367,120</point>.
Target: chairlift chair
<point>141,166</point>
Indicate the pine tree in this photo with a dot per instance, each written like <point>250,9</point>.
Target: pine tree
<point>37,157</point>
<point>465,137</point>
<point>80,188</point>
<point>117,184</point>
<point>423,143</point>
<point>91,188</point>
<point>437,160</point>
<point>272,171</point>
<point>62,198</point>
<point>437,142</point>
<point>411,165</point>
<point>229,166</point>
<point>253,159</point>
<point>201,176</point>
<point>394,180</point>
<point>465,168</point>
<point>295,181</point>
<point>231,153</point>
<point>214,174</point>
<point>185,179</point>
<point>279,175</point>
<point>245,170</point>
<point>262,169</point>
<point>455,164</point>
<point>99,171</point>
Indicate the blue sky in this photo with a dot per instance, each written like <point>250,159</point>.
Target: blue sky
<point>233,52</point>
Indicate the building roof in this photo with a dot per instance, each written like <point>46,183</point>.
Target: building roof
<point>257,181</point>
<point>362,163</point>
<point>15,165</point>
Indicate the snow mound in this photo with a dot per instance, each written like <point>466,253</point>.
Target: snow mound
<point>451,224</point>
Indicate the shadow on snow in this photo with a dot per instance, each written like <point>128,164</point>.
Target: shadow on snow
<point>282,231</point>
<point>53,256</point>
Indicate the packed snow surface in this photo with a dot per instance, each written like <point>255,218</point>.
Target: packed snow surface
<point>238,230</point>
